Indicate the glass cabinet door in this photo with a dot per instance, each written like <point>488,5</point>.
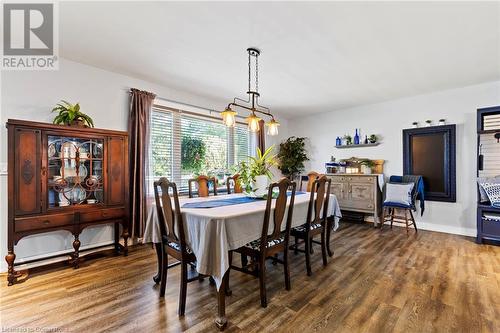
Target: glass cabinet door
<point>75,171</point>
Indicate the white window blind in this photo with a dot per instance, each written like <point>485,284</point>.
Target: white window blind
<point>241,143</point>
<point>161,140</point>
<point>177,139</point>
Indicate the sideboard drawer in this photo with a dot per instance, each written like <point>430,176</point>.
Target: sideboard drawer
<point>42,222</point>
<point>362,179</point>
<point>355,204</point>
<point>102,214</point>
<point>491,228</point>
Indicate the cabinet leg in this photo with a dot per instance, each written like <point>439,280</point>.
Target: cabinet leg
<point>11,273</point>
<point>125,241</point>
<point>117,237</point>
<point>76,254</point>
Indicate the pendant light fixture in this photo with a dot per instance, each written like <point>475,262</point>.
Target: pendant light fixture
<point>252,104</point>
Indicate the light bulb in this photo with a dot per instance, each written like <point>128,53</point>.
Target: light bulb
<point>253,123</point>
<point>228,117</point>
<point>272,127</point>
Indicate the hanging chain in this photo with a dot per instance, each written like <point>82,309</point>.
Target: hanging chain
<point>256,72</point>
<point>249,72</point>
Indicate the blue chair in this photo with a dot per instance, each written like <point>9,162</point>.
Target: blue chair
<point>390,208</point>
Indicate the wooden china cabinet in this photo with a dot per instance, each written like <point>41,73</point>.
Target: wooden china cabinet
<point>65,178</point>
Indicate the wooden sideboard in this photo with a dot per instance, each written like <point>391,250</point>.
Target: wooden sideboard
<point>65,178</point>
<point>358,193</point>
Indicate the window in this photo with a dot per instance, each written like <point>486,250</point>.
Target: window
<point>184,145</point>
<point>161,145</point>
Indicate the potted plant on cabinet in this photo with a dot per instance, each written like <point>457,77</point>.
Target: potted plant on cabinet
<point>256,174</point>
<point>366,166</point>
<point>71,115</point>
<point>291,156</point>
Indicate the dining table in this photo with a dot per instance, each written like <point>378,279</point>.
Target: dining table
<point>216,225</point>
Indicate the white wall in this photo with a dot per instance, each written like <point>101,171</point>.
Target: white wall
<point>387,120</point>
<point>103,95</point>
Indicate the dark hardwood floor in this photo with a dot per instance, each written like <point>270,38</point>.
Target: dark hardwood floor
<point>377,281</point>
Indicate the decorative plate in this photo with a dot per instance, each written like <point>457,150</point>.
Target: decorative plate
<point>52,150</point>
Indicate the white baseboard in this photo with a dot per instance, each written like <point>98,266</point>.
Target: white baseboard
<point>443,228</point>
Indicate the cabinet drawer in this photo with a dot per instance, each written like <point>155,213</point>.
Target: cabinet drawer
<point>361,205</point>
<point>338,179</point>
<point>361,179</point>
<point>491,228</point>
<point>102,214</point>
<point>42,222</point>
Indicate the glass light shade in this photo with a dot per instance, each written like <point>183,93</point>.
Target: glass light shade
<point>272,127</point>
<point>253,123</point>
<point>228,117</point>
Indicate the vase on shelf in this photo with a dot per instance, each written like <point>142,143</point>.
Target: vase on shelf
<point>356,137</point>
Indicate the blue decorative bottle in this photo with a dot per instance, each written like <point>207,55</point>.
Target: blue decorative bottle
<point>356,138</point>
<point>338,141</point>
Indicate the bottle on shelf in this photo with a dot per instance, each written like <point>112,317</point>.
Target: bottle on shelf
<point>356,137</point>
<point>366,139</point>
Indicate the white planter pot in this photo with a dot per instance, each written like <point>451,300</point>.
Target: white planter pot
<point>260,185</point>
<point>366,170</point>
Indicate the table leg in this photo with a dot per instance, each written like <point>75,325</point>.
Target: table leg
<point>330,222</point>
<point>158,248</point>
<point>221,320</point>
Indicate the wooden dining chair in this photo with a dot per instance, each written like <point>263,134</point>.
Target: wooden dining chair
<point>173,238</point>
<point>269,245</point>
<point>232,182</point>
<point>316,221</point>
<point>203,186</point>
<point>310,178</point>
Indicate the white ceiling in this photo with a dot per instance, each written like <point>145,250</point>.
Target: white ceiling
<point>315,56</point>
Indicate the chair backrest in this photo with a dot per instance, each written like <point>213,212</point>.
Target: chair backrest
<point>318,201</point>
<point>311,177</point>
<point>169,217</point>
<point>236,186</point>
<point>279,211</point>
<point>203,186</point>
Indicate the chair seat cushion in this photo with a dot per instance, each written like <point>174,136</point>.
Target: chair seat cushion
<point>255,245</point>
<point>302,228</point>
<point>177,247</point>
<point>396,205</point>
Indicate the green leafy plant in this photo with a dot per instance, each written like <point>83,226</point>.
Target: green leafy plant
<point>373,138</point>
<point>348,139</point>
<point>193,153</point>
<point>367,163</point>
<point>69,114</point>
<point>256,166</point>
<point>291,156</point>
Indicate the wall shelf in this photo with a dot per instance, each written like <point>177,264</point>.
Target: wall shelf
<point>359,145</point>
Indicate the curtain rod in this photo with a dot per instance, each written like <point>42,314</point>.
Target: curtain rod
<point>194,106</point>
<point>187,104</point>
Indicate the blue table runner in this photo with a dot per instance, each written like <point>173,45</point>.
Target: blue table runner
<point>226,202</point>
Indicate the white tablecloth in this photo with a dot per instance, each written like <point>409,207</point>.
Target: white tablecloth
<point>212,232</point>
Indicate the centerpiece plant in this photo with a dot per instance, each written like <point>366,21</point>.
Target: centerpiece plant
<point>255,174</point>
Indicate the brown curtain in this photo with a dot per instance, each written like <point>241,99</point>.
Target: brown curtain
<point>261,138</point>
<point>138,127</point>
